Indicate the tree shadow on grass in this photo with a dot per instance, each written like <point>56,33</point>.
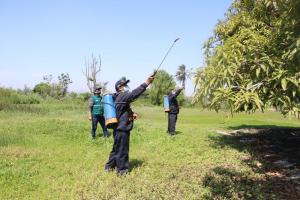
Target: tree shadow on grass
<point>135,163</point>
<point>228,183</point>
<point>245,126</point>
<point>263,139</point>
<point>279,140</point>
<point>265,145</point>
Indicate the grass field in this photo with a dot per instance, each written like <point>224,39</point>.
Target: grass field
<point>46,152</point>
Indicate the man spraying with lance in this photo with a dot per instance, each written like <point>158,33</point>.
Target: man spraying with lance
<point>173,110</point>
<point>119,157</point>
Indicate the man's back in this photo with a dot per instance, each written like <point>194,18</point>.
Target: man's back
<point>124,112</point>
<point>174,106</point>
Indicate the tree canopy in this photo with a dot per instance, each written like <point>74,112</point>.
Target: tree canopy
<point>162,84</point>
<point>55,90</point>
<point>253,58</point>
<point>43,89</point>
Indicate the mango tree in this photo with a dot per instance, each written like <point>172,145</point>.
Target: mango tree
<point>253,59</point>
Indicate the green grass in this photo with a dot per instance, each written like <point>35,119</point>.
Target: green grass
<point>50,155</point>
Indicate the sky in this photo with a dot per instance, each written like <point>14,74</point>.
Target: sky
<point>39,38</point>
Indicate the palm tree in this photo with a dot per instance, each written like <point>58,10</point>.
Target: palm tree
<point>198,76</point>
<point>182,74</point>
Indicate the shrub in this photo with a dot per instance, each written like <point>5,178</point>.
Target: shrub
<point>10,97</point>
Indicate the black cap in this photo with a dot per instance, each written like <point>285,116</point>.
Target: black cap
<point>122,82</point>
<point>97,89</point>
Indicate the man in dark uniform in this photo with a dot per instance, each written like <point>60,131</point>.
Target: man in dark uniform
<point>118,157</point>
<point>174,110</point>
<point>96,112</point>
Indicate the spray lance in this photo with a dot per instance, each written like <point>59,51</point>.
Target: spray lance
<point>166,99</point>
<point>108,101</point>
<point>155,71</point>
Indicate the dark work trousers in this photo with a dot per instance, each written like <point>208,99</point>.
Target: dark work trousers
<point>172,118</point>
<point>101,120</point>
<point>119,155</point>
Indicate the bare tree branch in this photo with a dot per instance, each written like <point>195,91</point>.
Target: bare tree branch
<point>92,68</point>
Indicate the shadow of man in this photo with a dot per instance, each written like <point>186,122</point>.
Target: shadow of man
<point>135,163</point>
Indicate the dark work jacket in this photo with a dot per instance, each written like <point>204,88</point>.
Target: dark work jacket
<point>173,103</point>
<point>124,112</point>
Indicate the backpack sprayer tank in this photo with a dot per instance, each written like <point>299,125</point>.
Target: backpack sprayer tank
<point>110,113</point>
<point>166,103</point>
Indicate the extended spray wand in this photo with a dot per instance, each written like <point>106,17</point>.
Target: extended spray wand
<point>165,56</point>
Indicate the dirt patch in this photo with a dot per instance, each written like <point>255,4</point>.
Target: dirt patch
<point>274,152</point>
<point>274,144</point>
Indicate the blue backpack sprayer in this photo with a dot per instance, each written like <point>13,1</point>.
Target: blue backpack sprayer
<point>166,103</point>
<point>110,114</point>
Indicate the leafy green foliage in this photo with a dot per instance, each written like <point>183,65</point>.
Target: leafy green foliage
<point>253,59</point>
<point>64,81</point>
<point>162,84</point>
<point>85,96</point>
<point>52,89</point>
<point>42,89</point>
<point>10,96</point>
<point>17,100</point>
